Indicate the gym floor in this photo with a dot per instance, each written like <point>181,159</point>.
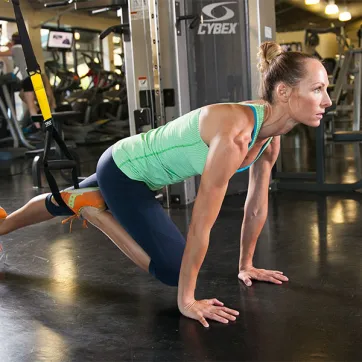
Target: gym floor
<point>75,297</point>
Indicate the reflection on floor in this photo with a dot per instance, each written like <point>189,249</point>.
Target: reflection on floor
<point>75,297</point>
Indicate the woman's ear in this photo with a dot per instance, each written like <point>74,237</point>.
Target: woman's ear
<point>283,92</point>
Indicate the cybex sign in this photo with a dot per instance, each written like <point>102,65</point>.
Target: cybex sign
<point>217,25</point>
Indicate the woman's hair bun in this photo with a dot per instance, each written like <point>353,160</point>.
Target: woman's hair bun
<point>268,52</point>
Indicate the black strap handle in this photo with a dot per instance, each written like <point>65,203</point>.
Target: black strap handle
<point>118,29</point>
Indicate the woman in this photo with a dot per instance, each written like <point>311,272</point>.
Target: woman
<point>215,141</point>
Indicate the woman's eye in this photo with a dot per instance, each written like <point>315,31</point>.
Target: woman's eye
<point>318,90</point>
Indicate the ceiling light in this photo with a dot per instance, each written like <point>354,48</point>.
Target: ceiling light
<point>331,8</point>
<point>345,15</point>
<point>312,2</point>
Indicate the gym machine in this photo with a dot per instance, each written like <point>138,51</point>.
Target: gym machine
<point>156,72</point>
<point>7,110</point>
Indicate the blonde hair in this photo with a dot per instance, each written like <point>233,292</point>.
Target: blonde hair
<point>276,65</point>
<point>268,52</point>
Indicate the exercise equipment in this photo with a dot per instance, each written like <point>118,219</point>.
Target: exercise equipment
<point>55,151</point>
<point>332,66</point>
<point>64,81</point>
<point>10,123</point>
<point>51,133</point>
<point>316,181</point>
<point>99,108</point>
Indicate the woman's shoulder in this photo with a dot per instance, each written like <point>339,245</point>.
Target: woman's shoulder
<point>227,110</point>
<point>226,118</point>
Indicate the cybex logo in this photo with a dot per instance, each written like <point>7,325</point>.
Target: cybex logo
<point>207,10</point>
<point>216,27</point>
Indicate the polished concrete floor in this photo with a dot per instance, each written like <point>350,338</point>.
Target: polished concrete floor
<point>75,297</point>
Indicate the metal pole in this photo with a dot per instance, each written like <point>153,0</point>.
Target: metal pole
<point>157,78</point>
<point>357,90</point>
<point>320,153</point>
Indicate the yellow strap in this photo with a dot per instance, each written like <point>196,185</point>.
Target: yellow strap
<point>41,95</point>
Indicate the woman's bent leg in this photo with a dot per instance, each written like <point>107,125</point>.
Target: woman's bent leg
<point>149,237</point>
<point>134,206</point>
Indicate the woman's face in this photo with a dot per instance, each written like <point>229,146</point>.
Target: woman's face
<point>309,100</point>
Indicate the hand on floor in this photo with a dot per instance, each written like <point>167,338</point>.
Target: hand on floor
<point>210,309</point>
<point>272,276</point>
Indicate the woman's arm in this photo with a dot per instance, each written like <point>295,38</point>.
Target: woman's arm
<point>255,214</point>
<point>225,156</point>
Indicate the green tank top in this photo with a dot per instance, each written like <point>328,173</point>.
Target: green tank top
<point>171,153</point>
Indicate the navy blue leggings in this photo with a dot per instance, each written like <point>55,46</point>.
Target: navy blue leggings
<point>134,206</point>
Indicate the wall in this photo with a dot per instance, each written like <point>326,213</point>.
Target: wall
<point>73,19</point>
<point>289,37</point>
<point>327,48</point>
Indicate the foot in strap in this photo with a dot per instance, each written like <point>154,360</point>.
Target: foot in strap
<point>76,199</point>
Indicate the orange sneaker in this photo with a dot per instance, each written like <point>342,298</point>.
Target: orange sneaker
<point>3,213</point>
<point>76,199</point>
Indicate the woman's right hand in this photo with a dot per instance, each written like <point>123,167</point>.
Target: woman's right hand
<point>210,309</point>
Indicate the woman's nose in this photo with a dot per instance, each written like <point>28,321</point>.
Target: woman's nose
<point>327,101</point>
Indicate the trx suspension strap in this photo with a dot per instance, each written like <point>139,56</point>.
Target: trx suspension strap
<point>51,133</point>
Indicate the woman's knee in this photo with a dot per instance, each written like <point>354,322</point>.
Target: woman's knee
<point>172,278</point>
<point>168,275</point>
<point>91,213</point>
